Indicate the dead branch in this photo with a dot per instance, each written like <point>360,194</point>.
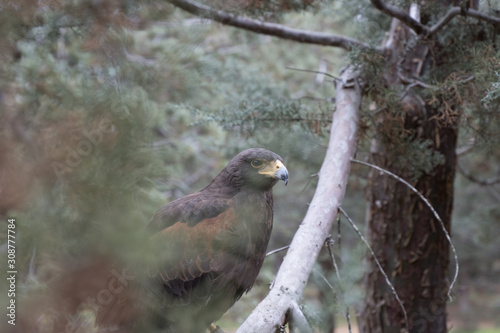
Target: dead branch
<point>421,29</point>
<point>484,182</point>
<point>455,11</point>
<point>493,193</point>
<point>277,250</point>
<point>436,215</point>
<point>267,28</point>
<point>329,244</point>
<point>395,12</point>
<point>312,71</point>
<point>298,263</point>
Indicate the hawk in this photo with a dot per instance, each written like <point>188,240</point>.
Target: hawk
<point>208,247</point>
<point>213,242</point>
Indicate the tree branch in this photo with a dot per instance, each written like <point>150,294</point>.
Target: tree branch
<point>482,16</point>
<point>298,263</point>
<point>484,182</point>
<point>421,29</point>
<point>395,12</point>
<point>455,11</point>
<point>266,28</point>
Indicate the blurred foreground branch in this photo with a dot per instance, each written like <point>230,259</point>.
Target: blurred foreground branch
<point>292,277</point>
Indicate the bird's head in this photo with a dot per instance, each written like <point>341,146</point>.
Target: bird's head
<point>257,168</point>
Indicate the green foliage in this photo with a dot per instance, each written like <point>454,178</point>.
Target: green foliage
<point>265,10</point>
<point>113,108</point>
<point>368,24</point>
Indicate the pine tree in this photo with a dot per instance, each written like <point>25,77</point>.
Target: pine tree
<point>106,107</point>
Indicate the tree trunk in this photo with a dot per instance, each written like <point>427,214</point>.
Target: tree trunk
<point>410,244</point>
<point>407,239</point>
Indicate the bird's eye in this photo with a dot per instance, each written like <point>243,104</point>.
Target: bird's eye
<point>257,163</point>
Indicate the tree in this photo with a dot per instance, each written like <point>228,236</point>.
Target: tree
<point>414,251</point>
<point>99,105</point>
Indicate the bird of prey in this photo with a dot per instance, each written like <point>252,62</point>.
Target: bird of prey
<point>208,247</point>
<point>213,242</point>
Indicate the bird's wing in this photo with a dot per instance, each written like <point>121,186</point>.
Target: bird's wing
<point>190,243</point>
<point>190,210</point>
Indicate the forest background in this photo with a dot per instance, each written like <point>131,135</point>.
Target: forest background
<point>106,106</point>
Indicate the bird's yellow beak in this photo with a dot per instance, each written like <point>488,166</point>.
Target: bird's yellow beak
<point>276,169</point>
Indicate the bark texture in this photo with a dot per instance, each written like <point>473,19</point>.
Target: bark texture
<point>402,230</point>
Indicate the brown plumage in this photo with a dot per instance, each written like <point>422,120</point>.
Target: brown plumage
<point>209,247</point>
<point>214,241</point>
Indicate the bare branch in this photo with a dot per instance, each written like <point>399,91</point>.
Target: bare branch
<point>299,261</point>
<point>466,148</point>
<point>414,82</point>
<point>436,215</point>
<point>421,29</point>
<point>493,193</point>
<point>387,281</point>
<point>267,28</point>
<point>484,182</point>
<point>455,11</point>
<point>329,244</point>
<point>482,16</point>
<point>270,253</point>
<point>312,71</point>
<point>395,12</point>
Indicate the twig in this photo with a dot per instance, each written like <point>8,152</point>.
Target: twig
<point>421,29</point>
<point>494,193</point>
<point>277,250</point>
<point>312,71</point>
<point>312,98</point>
<point>466,148</point>
<point>455,11</point>
<point>415,82</point>
<point>436,215</point>
<point>31,271</point>
<point>329,244</point>
<point>137,58</point>
<point>482,16</point>
<point>267,28</point>
<point>395,12</point>
<point>484,182</point>
<point>316,271</point>
<point>379,267</point>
